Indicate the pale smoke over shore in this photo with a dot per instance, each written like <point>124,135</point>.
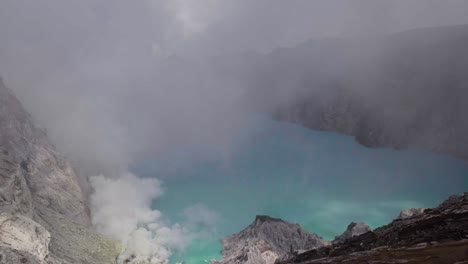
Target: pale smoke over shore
<point>121,209</point>
<point>115,81</point>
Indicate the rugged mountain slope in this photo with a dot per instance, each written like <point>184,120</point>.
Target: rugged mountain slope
<point>406,89</point>
<point>266,240</point>
<point>50,178</point>
<point>437,235</point>
<point>40,198</point>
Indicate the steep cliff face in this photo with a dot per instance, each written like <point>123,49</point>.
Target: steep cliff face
<point>42,208</point>
<point>266,240</point>
<point>15,196</point>
<point>50,178</point>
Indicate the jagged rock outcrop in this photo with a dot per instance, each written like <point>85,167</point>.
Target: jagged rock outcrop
<point>45,217</point>
<point>353,230</point>
<point>21,234</point>
<point>439,233</point>
<point>266,240</point>
<point>407,213</point>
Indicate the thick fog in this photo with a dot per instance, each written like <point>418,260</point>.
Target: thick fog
<point>114,81</point>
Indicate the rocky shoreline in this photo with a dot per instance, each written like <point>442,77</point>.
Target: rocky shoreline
<point>439,234</point>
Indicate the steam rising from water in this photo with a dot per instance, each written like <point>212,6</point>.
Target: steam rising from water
<point>121,208</point>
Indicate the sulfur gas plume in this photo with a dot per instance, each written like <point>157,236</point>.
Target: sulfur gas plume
<point>121,209</point>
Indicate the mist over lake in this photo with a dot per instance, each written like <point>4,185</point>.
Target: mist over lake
<point>321,180</point>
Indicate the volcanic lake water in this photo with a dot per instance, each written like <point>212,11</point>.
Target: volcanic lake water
<point>321,180</point>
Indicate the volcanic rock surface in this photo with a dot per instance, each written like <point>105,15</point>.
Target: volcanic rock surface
<point>43,214</point>
<point>266,240</point>
<point>437,235</point>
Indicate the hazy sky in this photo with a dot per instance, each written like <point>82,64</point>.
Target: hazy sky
<point>97,73</point>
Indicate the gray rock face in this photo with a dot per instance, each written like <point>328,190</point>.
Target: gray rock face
<point>44,215</point>
<point>266,240</point>
<point>74,243</point>
<point>407,213</point>
<point>22,234</point>
<point>15,196</point>
<point>9,255</point>
<point>50,178</point>
<point>353,230</point>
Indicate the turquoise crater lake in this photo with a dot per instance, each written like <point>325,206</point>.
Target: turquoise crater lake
<point>321,180</point>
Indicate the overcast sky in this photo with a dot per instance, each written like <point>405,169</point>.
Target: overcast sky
<point>88,70</point>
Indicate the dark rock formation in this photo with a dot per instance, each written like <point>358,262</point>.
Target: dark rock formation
<point>447,223</point>
<point>43,214</point>
<point>266,240</point>
<point>435,253</point>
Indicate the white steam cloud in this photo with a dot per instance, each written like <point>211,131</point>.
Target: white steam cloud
<point>121,209</point>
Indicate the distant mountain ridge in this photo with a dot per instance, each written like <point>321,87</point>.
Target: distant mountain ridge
<point>407,89</point>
